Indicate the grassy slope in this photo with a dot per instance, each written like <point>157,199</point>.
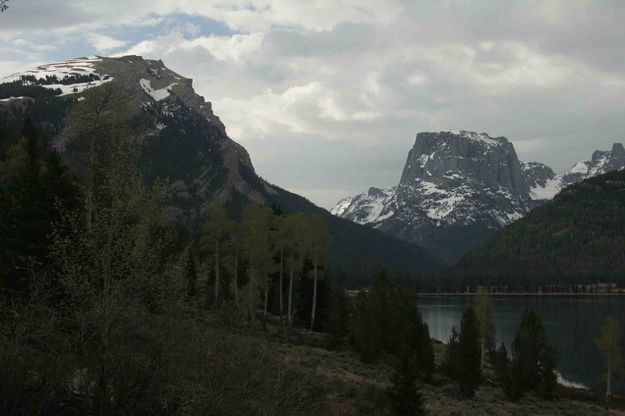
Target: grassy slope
<point>351,387</point>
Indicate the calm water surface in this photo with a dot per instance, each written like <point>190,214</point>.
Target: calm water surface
<point>571,322</point>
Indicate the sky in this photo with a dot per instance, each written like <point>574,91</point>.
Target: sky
<point>327,96</point>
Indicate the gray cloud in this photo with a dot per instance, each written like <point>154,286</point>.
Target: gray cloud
<point>328,99</point>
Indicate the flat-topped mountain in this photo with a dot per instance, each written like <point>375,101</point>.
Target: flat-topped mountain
<point>458,188</point>
<point>186,144</point>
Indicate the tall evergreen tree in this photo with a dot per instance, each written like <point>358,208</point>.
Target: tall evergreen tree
<point>34,188</point>
<point>533,359</point>
<point>469,373</point>
<point>403,395</point>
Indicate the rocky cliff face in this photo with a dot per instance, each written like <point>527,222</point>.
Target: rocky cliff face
<point>458,188</point>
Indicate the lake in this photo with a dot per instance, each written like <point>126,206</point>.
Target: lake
<point>572,323</point>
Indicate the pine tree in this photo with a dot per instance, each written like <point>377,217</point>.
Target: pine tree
<point>34,189</point>
<point>533,360</point>
<point>502,364</point>
<point>338,320</point>
<point>547,376</point>
<point>469,353</point>
<point>403,395</point>
<point>451,363</point>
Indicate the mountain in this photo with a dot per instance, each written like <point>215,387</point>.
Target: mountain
<point>458,188</point>
<point>186,144</point>
<point>545,184</point>
<point>578,237</point>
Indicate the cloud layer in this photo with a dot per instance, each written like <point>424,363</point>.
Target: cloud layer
<point>327,96</point>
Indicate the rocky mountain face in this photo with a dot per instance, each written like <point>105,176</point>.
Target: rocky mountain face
<point>545,184</point>
<point>186,144</point>
<point>458,188</point>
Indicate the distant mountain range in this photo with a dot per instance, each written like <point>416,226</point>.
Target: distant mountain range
<point>459,188</point>
<point>578,237</point>
<point>187,144</point>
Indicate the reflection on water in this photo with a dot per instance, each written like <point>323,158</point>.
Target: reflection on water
<point>572,323</point>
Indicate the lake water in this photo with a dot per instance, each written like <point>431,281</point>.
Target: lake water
<point>572,323</point>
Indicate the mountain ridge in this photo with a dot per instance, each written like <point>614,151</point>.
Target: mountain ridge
<point>458,188</point>
<point>187,144</point>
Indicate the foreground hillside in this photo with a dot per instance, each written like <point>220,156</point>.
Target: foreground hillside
<point>342,385</point>
<point>578,237</point>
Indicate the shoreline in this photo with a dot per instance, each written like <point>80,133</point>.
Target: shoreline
<point>522,294</point>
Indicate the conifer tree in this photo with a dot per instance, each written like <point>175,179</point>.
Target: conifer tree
<point>533,360</point>
<point>469,373</point>
<point>403,395</point>
<point>338,320</point>
<point>34,188</point>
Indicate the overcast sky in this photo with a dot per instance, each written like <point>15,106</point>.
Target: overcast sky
<point>328,95</point>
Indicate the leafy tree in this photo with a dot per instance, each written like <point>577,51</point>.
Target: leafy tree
<point>213,235</point>
<point>609,343</point>
<point>256,225</point>
<point>403,396</point>
<point>469,374</point>
<point>279,241</point>
<point>294,235</point>
<point>483,309</point>
<point>234,258</point>
<point>317,245</point>
<point>4,5</point>
<point>114,261</point>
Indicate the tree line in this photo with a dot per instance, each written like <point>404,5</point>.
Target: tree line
<point>269,243</point>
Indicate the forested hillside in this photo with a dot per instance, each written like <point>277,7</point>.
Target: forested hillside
<point>579,237</point>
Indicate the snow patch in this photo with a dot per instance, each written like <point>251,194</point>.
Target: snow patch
<point>62,70</point>
<point>341,206</point>
<point>548,191</point>
<point>159,94</point>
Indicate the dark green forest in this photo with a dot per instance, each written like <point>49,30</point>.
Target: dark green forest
<point>576,239</point>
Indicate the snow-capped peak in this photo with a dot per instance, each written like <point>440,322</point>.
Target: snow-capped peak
<point>71,77</point>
